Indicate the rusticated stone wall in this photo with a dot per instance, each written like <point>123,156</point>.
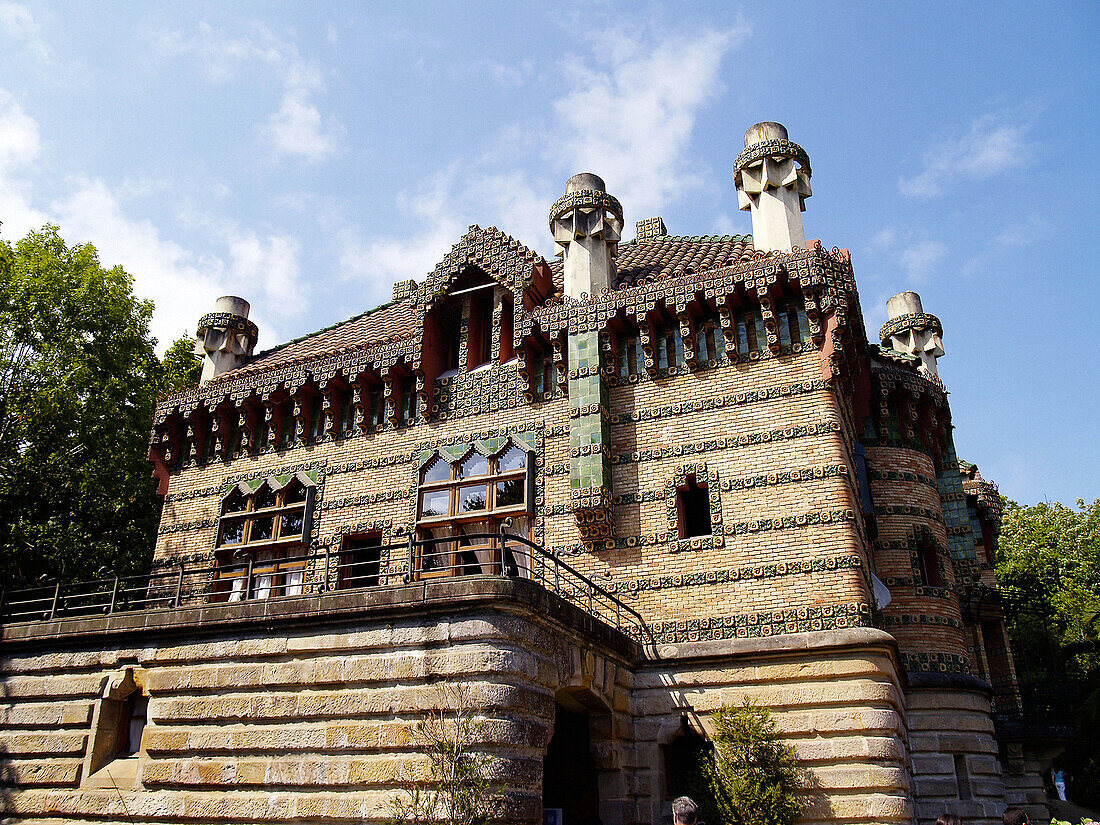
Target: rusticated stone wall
<point>303,709</point>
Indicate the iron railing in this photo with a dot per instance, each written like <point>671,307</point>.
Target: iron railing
<point>247,577</point>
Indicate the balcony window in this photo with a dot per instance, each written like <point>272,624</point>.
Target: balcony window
<point>260,534</point>
<point>462,504</point>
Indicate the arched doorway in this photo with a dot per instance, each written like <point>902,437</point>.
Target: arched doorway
<point>570,775</point>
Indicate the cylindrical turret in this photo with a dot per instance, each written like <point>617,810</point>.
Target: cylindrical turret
<point>773,181</point>
<point>225,337</point>
<point>587,224</point>
<point>913,331</point>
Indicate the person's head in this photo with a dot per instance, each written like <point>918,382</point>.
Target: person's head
<point>949,819</point>
<point>684,811</point>
<point>1014,816</point>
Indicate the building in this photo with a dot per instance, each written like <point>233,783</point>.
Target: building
<point>598,496</point>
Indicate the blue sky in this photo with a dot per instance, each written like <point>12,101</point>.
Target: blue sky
<point>305,156</point>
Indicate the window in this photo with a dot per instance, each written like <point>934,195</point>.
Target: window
<point>626,350</point>
<point>708,338</point>
<point>479,341</point>
<point>464,502</point>
<point>962,777</point>
<point>259,534</point>
<point>794,326</point>
<point>693,509</point>
<point>929,565</point>
<point>406,400</point>
<point>750,331</point>
<point>668,346</point>
<point>360,562</point>
<point>131,724</point>
<point>542,378</point>
<point>507,328</point>
<point>345,420</point>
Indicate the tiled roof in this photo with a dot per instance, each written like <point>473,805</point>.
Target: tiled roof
<point>640,261</point>
<point>666,256</point>
<point>389,322</point>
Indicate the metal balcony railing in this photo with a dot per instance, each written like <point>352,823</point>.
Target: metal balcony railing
<point>248,577</point>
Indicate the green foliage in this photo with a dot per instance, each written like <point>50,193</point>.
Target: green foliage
<point>78,382</point>
<point>180,368</point>
<point>1051,554</point>
<point>751,777</point>
<point>457,789</point>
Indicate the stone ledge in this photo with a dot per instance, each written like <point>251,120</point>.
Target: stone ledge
<point>450,598</point>
<point>783,644</point>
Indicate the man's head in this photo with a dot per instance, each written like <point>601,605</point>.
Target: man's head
<point>684,811</point>
<point>1014,816</point>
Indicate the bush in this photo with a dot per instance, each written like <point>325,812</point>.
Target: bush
<point>751,777</point>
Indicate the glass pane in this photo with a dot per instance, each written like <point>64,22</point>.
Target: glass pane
<point>294,492</point>
<point>464,532</point>
<point>512,459</point>
<point>434,503</point>
<point>261,588</point>
<point>510,492</point>
<point>237,593</point>
<point>472,498</point>
<point>262,528</point>
<point>294,583</point>
<point>236,503</point>
<point>438,470</point>
<point>232,531</point>
<point>292,524</point>
<point>475,465</point>
<point>436,556</point>
<point>265,497</point>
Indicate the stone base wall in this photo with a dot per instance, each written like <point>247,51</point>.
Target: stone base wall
<point>955,754</point>
<point>253,719</point>
<point>836,697</point>
<point>305,710</point>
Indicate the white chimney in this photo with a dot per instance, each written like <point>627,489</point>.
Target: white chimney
<point>913,331</point>
<point>587,224</point>
<point>773,181</point>
<point>225,337</point>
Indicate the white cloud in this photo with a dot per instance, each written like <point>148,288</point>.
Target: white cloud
<point>992,146</point>
<point>921,258</point>
<point>631,119</point>
<point>19,141</point>
<point>628,118</point>
<point>905,252</point>
<point>17,22</point>
<point>296,128</point>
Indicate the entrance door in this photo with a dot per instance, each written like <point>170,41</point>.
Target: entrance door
<point>569,773</point>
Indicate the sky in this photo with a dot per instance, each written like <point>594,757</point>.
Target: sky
<point>307,155</point>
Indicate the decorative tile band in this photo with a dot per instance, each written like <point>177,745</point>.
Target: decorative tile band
<point>186,526</point>
<point>890,475</point>
<point>711,444</point>
<point>718,402</point>
<point>752,572</point>
<point>908,510</point>
<point>905,619</point>
<point>752,625</point>
<point>367,499</point>
<point>936,662</point>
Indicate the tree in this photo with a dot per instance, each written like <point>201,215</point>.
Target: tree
<point>180,368</point>
<point>457,787</point>
<point>1048,562</point>
<point>750,777</point>
<point>79,378</point>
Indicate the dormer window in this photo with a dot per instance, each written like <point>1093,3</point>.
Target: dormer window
<point>479,340</point>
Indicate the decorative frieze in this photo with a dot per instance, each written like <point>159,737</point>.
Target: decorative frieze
<point>753,625</point>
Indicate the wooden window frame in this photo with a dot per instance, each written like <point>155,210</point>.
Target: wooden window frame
<point>270,574</point>
<point>453,519</point>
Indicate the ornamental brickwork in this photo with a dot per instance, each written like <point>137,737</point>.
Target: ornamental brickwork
<point>707,443</point>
